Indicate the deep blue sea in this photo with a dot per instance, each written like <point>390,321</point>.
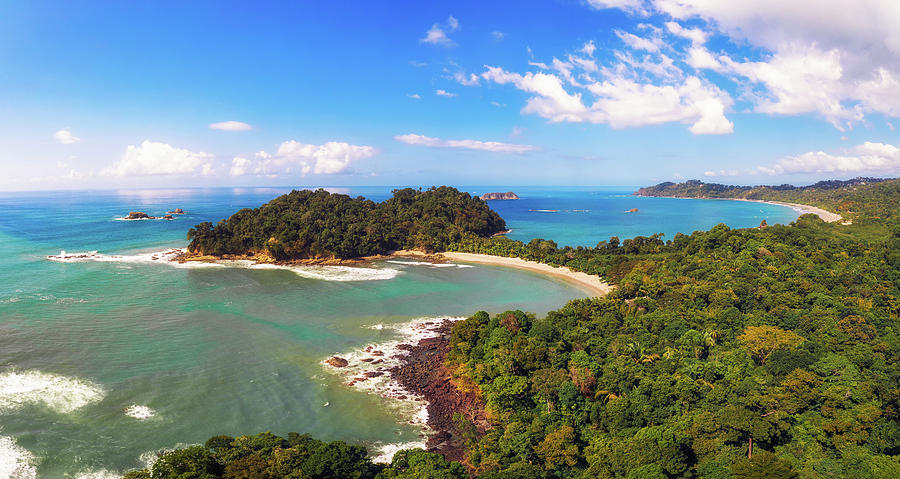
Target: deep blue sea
<point>107,361</point>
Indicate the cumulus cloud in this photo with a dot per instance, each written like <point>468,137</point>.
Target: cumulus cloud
<point>437,34</point>
<point>230,126</point>
<point>622,102</point>
<point>154,158</point>
<point>414,96</point>
<point>294,157</point>
<point>869,157</point>
<point>445,93</point>
<point>492,146</point>
<point>813,56</point>
<point>65,137</point>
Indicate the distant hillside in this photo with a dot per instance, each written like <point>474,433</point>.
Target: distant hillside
<point>320,225</point>
<point>854,199</point>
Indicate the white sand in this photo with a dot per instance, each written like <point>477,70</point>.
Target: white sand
<point>592,284</point>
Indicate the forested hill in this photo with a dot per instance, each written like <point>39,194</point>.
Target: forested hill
<point>318,224</point>
<point>856,198</point>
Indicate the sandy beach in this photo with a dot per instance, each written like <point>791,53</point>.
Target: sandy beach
<point>826,215</point>
<point>591,284</point>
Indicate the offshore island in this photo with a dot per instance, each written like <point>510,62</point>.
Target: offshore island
<point>756,352</point>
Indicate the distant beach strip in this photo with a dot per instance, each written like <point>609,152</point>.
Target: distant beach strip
<point>587,282</point>
<point>825,215</point>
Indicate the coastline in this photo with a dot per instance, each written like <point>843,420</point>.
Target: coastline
<point>587,282</point>
<point>825,215</point>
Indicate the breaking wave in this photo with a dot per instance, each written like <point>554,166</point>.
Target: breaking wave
<point>139,412</point>
<point>61,394</point>
<point>325,273</point>
<point>368,370</point>
<point>15,461</point>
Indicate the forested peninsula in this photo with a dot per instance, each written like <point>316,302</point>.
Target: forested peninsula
<point>770,352</point>
<point>318,225</point>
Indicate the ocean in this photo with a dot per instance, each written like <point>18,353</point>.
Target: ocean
<point>105,362</point>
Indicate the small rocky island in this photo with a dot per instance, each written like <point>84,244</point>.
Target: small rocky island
<point>140,215</point>
<point>509,195</point>
<point>176,211</point>
<point>632,210</point>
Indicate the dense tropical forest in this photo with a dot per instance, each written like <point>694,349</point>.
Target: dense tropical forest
<point>318,224</point>
<point>267,456</point>
<point>769,352</point>
<point>858,198</point>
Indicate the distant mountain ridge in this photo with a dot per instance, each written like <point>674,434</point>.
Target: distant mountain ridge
<point>699,189</point>
<point>853,199</point>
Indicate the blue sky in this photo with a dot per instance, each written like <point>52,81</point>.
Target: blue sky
<point>566,92</point>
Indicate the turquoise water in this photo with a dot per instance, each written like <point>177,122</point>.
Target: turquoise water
<point>103,363</point>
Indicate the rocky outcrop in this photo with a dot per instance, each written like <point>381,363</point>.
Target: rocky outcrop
<point>509,195</point>
<point>140,215</point>
<point>632,210</point>
<point>423,372</point>
<point>337,361</point>
<point>176,211</point>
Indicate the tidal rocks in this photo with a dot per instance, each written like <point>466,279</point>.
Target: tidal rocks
<point>632,210</point>
<point>138,215</point>
<point>176,211</point>
<point>509,195</point>
<point>337,361</point>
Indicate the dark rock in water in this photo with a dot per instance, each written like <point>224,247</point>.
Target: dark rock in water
<point>337,362</point>
<point>633,210</point>
<point>176,211</point>
<point>138,215</point>
<point>373,374</point>
<point>509,195</point>
<point>168,217</point>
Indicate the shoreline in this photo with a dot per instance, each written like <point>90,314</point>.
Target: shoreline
<point>587,282</point>
<point>824,215</point>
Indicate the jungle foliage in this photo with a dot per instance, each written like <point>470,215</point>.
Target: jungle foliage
<point>786,336</point>
<point>267,456</point>
<point>319,224</point>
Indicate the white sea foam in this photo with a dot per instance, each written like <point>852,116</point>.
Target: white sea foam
<point>325,273</point>
<point>428,263</point>
<point>15,461</point>
<point>334,273</point>
<point>165,256</point>
<point>101,474</point>
<point>139,412</point>
<point>60,393</point>
<point>384,453</point>
<point>368,368</point>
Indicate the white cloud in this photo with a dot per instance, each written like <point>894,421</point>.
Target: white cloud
<point>871,158</point>
<point>294,157</point>
<point>65,137</point>
<point>589,48</point>
<point>622,102</point>
<point>634,6</point>
<point>445,93</point>
<point>414,96</point>
<point>824,57</point>
<point>153,158</point>
<point>437,34</point>
<point>239,166</point>
<point>492,146</point>
<point>638,43</point>
<point>230,126</point>
<point>498,36</point>
<point>465,80</point>
<point>695,35</point>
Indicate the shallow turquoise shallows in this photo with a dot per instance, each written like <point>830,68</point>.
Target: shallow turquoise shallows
<point>102,363</point>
